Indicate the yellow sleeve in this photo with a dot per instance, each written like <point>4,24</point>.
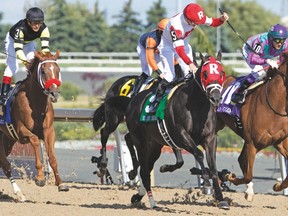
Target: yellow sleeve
<point>44,37</point>
<point>18,46</point>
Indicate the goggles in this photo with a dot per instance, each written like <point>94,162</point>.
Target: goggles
<point>34,23</point>
<point>279,40</point>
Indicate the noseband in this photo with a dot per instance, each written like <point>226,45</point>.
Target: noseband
<point>45,85</point>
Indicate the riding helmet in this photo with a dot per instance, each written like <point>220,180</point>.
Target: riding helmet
<point>162,24</point>
<point>278,31</point>
<point>35,14</point>
<point>194,13</point>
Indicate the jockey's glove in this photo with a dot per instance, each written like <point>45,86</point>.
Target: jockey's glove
<point>25,62</point>
<point>272,63</point>
<point>157,74</point>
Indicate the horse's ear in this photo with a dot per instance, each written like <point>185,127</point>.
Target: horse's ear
<point>38,55</point>
<point>219,55</point>
<point>56,56</point>
<point>194,59</point>
<point>202,57</point>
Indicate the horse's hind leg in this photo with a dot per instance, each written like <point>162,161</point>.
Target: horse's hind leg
<point>6,166</point>
<point>133,173</point>
<point>178,165</point>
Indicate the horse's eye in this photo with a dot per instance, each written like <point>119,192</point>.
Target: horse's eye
<point>205,74</point>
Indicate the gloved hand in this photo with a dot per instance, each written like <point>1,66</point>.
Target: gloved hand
<point>25,62</point>
<point>157,74</point>
<point>272,63</point>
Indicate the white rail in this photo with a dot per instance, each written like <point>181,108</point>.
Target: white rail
<point>121,62</point>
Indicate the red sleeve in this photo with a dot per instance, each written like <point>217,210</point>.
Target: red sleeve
<point>216,22</point>
<point>181,52</point>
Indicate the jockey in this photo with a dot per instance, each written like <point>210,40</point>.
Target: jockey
<point>174,44</point>
<point>19,45</point>
<point>263,49</point>
<point>148,54</point>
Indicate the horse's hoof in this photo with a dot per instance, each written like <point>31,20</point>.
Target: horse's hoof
<point>276,187</point>
<point>63,187</point>
<point>163,169</point>
<point>132,175</point>
<point>249,197</point>
<point>20,197</point>
<point>207,190</point>
<point>40,183</point>
<point>223,205</point>
<point>136,198</point>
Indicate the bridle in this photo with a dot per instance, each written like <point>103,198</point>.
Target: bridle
<point>45,85</point>
<point>284,78</point>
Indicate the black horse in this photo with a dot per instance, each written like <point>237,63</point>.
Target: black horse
<point>190,120</point>
<point>111,113</point>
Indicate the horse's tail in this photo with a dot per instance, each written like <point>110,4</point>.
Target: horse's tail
<point>99,117</point>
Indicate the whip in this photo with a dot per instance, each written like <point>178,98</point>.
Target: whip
<point>245,42</point>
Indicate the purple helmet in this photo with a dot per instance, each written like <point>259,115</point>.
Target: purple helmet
<point>278,31</point>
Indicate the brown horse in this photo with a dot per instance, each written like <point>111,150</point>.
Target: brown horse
<point>32,117</point>
<point>265,123</point>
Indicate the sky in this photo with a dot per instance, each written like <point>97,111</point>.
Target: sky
<point>14,10</point>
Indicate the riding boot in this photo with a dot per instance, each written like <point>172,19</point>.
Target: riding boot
<point>138,83</point>
<point>239,96</point>
<point>158,95</point>
<point>4,91</point>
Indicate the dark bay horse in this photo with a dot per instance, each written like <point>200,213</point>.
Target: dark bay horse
<point>190,120</point>
<point>111,113</point>
<point>32,117</point>
<point>264,117</point>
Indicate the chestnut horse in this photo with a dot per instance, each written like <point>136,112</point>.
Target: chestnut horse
<point>190,120</point>
<point>264,117</point>
<point>32,117</point>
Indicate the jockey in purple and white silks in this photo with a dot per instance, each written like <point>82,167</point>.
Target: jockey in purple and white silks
<point>261,52</point>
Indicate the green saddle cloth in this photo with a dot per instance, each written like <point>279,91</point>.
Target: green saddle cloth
<point>148,117</point>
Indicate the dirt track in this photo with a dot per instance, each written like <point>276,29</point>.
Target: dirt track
<point>93,199</point>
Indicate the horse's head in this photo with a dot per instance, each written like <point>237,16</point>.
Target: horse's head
<point>47,73</point>
<point>212,77</point>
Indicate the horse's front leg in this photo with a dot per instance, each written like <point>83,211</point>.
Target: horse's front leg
<point>246,162</point>
<point>49,141</point>
<point>133,173</point>
<point>40,178</point>
<point>210,150</point>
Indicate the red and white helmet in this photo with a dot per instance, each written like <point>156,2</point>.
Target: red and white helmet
<point>195,14</point>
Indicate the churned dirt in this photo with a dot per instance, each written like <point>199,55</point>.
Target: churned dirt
<point>93,199</point>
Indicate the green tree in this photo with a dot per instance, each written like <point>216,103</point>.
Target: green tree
<point>97,32</point>
<point>245,19</point>
<point>156,12</point>
<point>66,25</point>
<point>125,34</point>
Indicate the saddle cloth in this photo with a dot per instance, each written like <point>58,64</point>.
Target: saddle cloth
<point>5,110</point>
<point>230,108</point>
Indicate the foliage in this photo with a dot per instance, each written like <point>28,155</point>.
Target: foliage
<point>69,91</point>
<point>73,131</point>
<point>227,138</point>
<point>156,13</point>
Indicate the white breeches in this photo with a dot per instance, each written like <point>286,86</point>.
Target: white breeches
<point>11,59</point>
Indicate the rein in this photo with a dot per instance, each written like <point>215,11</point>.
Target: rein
<point>284,77</point>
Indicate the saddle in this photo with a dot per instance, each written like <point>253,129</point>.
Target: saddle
<point>146,116</point>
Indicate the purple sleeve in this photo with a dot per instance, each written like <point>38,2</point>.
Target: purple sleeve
<point>258,46</point>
